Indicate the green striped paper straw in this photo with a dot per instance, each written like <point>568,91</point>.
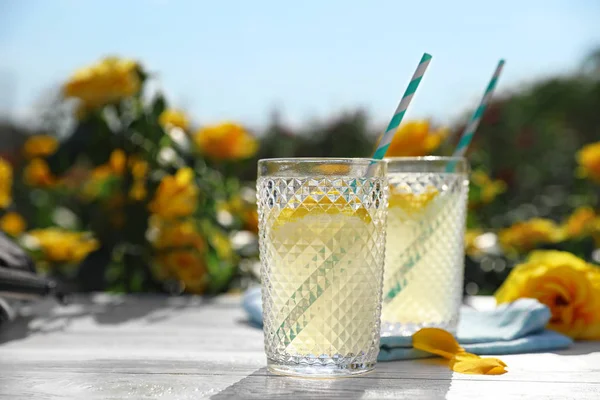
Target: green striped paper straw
<point>385,141</point>
<point>467,135</point>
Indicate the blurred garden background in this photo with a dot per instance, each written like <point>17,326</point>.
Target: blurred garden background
<point>115,181</point>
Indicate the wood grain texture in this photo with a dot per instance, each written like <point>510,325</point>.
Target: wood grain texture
<point>142,347</point>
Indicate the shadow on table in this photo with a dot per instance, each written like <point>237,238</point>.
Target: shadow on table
<point>389,380</point>
<point>580,348</point>
<point>48,316</point>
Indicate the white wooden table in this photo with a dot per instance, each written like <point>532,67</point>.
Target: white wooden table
<point>106,347</point>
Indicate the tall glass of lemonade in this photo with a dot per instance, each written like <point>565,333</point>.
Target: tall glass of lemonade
<point>425,244</point>
<point>322,225</point>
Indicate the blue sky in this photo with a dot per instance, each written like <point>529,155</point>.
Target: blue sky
<point>240,59</point>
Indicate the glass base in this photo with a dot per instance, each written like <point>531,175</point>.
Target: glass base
<point>407,329</point>
<point>319,371</point>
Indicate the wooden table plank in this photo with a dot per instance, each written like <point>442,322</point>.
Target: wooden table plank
<point>107,347</point>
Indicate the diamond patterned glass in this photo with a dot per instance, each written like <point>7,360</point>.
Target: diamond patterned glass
<point>425,257</point>
<point>322,248</point>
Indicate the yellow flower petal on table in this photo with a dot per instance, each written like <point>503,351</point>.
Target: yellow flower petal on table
<point>436,341</point>
<point>442,343</point>
<point>173,118</point>
<point>12,223</point>
<point>40,146</point>
<point>227,141</point>
<point>467,363</point>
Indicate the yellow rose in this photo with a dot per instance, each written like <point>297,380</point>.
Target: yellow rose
<point>415,138</point>
<point>38,174</point>
<point>40,146</point>
<point>566,284</point>
<point>6,180</point>
<point>580,223</point>
<point>525,236</point>
<point>176,196</point>
<point>108,81</point>
<point>226,141</point>
<point>177,234</point>
<point>12,223</point>
<point>589,161</point>
<point>187,266</point>
<point>61,246</point>
<point>173,118</point>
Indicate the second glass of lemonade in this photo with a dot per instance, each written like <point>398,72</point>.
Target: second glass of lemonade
<point>322,247</point>
<point>425,244</point>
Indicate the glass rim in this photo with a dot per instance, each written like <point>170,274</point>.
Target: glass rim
<point>354,160</point>
<point>426,159</point>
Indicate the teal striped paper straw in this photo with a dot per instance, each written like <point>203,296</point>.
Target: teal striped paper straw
<point>385,141</point>
<point>467,135</point>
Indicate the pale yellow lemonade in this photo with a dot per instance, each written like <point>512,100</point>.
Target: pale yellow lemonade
<point>423,268</point>
<point>323,275</point>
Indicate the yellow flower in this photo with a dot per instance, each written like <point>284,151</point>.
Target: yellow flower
<point>581,223</point>
<point>188,267</point>
<point>566,284</point>
<point>138,191</point>
<point>227,141</point>
<point>12,223</point>
<point>6,180</point>
<point>113,168</point>
<point>442,343</point>
<point>415,138</point>
<point>488,189</point>
<point>176,196</point>
<point>40,146</point>
<point>222,245</point>
<point>117,161</point>
<point>589,161</point>
<point>108,81</point>
<point>173,118</point>
<point>61,246</point>
<point>525,236</point>
<point>178,234</point>
<point>38,174</point>
<point>139,171</point>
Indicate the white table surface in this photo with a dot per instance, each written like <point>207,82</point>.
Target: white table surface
<point>132,347</point>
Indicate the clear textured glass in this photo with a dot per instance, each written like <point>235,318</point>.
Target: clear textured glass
<point>425,240</point>
<point>322,247</point>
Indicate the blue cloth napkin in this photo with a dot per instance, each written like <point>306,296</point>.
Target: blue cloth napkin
<point>511,328</point>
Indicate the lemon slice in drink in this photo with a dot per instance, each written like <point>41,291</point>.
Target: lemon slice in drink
<point>412,203</point>
<point>324,206</point>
